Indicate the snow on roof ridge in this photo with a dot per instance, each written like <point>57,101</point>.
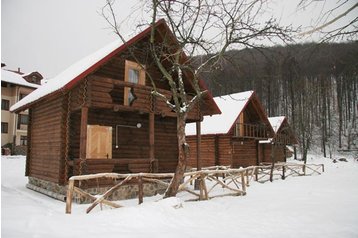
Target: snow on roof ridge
<point>276,122</point>
<point>237,96</point>
<point>15,78</point>
<point>231,106</point>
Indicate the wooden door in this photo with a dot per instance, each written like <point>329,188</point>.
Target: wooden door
<point>99,142</point>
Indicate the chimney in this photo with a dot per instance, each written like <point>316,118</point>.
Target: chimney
<point>18,70</point>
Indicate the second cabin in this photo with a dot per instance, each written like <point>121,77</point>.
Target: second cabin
<point>231,138</point>
<point>275,149</point>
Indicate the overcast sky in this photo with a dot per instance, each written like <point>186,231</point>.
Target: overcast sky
<point>50,35</point>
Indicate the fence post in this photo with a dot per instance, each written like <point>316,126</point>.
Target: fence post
<point>256,173</point>
<point>283,172</point>
<point>140,189</point>
<point>243,183</point>
<point>247,178</point>
<point>203,190</point>
<point>69,196</point>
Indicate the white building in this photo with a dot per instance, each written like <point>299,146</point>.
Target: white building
<point>15,85</point>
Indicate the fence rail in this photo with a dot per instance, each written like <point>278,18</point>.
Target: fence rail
<point>233,182</point>
<point>267,172</point>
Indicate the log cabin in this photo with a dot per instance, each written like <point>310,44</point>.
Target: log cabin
<point>276,148</point>
<point>100,115</point>
<point>231,138</point>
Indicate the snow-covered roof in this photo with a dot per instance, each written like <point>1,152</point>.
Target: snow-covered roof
<point>66,76</point>
<point>15,78</point>
<point>231,106</point>
<point>79,70</point>
<point>76,72</point>
<point>276,122</point>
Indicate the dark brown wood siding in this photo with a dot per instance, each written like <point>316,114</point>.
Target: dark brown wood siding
<point>244,153</point>
<point>108,93</point>
<point>166,143</point>
<point>279,153</point>
<point>225,150</point>
<point>207,152</point>
<point>46,140</point>
<point>133,143</point>
<point>215,150</point>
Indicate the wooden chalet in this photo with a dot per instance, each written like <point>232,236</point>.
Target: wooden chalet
<point>276,147</point>
<point>100,116</point>
<point>231,138</point>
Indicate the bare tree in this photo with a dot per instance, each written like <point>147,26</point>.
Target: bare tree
<point>343,9</point>
<point>209,27</point>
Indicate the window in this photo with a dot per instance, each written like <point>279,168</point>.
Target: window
<point>23,140</point>
<point>5,104</point>
<point>134,73</point>
<point>4,127</point>
<point>34,79</point>
<point>23,120</point>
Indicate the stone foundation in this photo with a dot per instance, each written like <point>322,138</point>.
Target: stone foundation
<point>124,192</point>
<point>48,188</point>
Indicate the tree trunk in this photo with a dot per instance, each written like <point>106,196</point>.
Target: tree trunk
<point>273,153</point>
<point>340,114</point>
<point>183,153</point>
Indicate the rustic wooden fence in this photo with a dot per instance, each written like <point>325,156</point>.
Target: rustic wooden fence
<point>283,170</point>
<point>233,182</point>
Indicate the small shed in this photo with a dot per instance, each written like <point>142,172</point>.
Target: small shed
<point>276,147</point>
<point>100,115</point>
<point>231,138</point>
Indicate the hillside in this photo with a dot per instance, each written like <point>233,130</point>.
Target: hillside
<point>315,85</point>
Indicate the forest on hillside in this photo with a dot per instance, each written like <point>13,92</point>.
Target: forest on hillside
<point>314,85</point>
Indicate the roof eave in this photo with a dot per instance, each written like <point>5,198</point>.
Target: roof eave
<point>27,106</point>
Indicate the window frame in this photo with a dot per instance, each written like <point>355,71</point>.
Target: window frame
<point>20,120</point>
<point>131,65</point>
<point>3,126</point>
<point>5,104</point>
<point>23,140</point>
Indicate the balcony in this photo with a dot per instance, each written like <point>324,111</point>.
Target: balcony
<point>257,131</point>
<point>107,93</point>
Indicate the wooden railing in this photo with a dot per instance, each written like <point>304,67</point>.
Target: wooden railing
<point>251,131</point>
<point>233,182</point>
<point>282,139</point>
<point>266,172</point>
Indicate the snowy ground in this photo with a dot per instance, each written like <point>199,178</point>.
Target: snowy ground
<point>315,206</point>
